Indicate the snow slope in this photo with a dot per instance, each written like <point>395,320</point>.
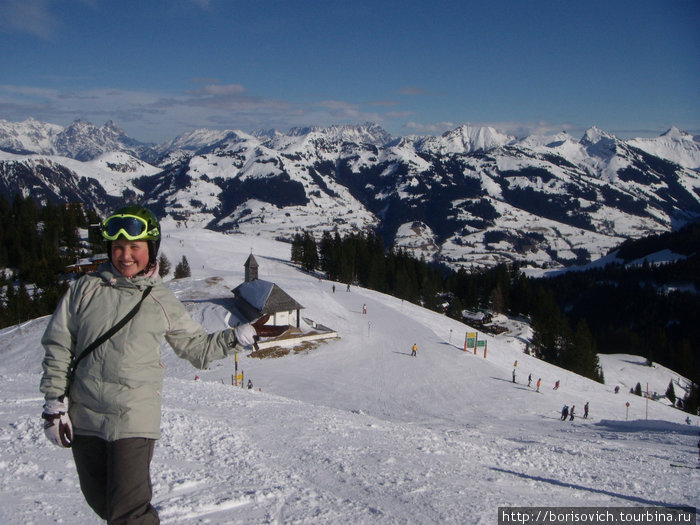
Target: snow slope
<point>354,430</point>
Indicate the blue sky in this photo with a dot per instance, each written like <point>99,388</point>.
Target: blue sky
<point>159,68</point>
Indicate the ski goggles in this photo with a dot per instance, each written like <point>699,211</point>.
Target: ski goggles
<point>131,227</point>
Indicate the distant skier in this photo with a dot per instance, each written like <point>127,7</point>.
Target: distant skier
<point>364,308</point>
<point>250,384</point>
<point>571,412</point>
<point>514,375</point>
<point>529,380</point>
<point>539,382</point>
<point>585,410</point>
<point>414,350</point>
<point>564,413</point>
<point>556,385</point>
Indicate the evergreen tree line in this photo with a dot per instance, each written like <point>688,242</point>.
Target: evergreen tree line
<point>182,269</point>
<point>36,244</point>
<point>574,316</point>
<point>360,258</point>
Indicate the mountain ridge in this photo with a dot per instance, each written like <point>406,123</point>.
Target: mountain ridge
<point>476,196</point>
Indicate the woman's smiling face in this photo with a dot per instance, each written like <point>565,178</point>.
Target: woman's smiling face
<point>129,257</point>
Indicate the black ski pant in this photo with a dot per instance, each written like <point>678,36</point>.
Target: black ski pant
<point>115,478</point>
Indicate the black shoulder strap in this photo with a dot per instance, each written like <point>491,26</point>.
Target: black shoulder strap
<point>109,333</point>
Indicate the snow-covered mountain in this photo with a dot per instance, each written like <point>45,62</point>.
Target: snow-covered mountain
<point>464,140</point>
<point>674,145</point>
<point>354,429</point>
<point>81,140</point>
<point>473,196</point>
<point>30,136</point>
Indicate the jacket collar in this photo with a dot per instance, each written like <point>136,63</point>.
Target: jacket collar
<point>112,277</point>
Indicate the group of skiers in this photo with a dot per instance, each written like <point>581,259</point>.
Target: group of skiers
<point>570,412</point>
<point>566,412</point>
<point>529,378</point>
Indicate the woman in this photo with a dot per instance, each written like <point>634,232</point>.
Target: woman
<point>111,416</point>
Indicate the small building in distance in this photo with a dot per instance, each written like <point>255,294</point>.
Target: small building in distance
<point>87,265</point>
<point>256,297</point>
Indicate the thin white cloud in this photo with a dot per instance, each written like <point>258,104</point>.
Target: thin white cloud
<point>338,105</point>
<point>413,90</point>
<point>218,90</point>
<point>382,103</point>
<point>518,129</point>
<point>429,128</point>
<point>32,17</point>
<point>521,129</point>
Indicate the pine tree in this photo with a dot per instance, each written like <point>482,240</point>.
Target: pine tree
<point>691,401</point>
<point>348,259</point>
<point>310,256</point>
<point>671,393</point>
<point>580,355</point>
<point>182,269</point>
<point>521,294</point>
<point>497,301</point>
<point>376,277</point>
<point>163,266</point>
<point>549,328</point>
<point>329,256</point>
<point>22,304</point>
<point>297,254</point>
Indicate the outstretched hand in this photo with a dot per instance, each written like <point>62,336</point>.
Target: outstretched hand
<point>250,334</point>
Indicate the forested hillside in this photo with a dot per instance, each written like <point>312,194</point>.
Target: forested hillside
<point>36,244</point>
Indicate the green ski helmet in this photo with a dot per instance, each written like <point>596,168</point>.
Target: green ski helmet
<point>133,223</point>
